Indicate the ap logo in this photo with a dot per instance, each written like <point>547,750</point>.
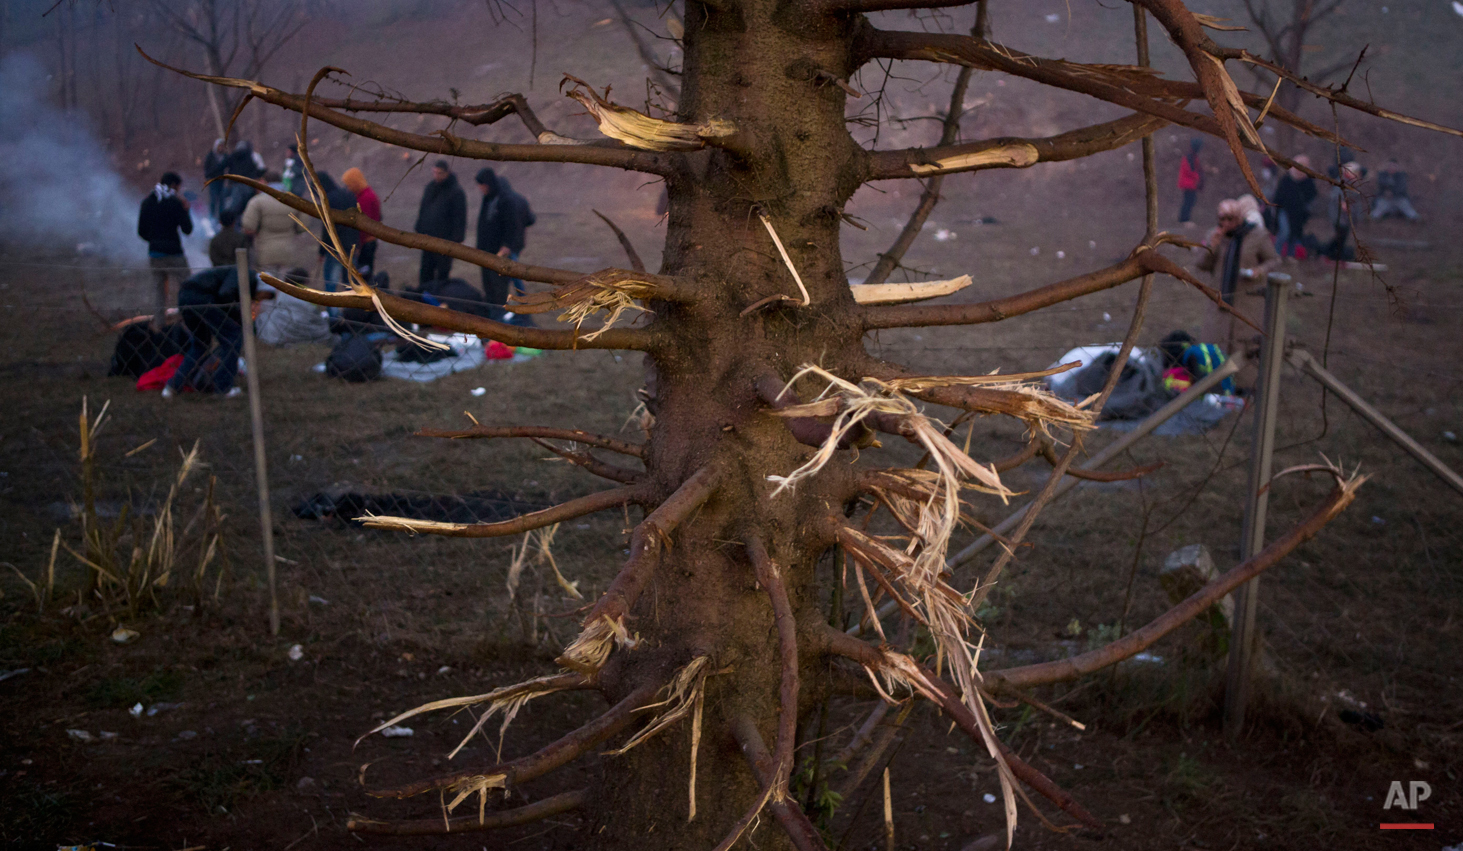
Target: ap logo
<point>1407,798</point>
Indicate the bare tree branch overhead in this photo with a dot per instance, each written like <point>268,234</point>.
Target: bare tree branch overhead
<point>769,420</point>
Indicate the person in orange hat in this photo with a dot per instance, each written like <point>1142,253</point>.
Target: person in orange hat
<point>370,205</point>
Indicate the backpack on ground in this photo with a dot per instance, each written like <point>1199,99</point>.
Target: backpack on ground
<point>354,359</point>
<point>140,348</point>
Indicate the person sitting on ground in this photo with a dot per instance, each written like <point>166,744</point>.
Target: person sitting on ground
<point>1392,198</point>
<point>163,215</point>
<point>272,227</point>
<point>228,240</point>
<point>1238,253</point>
<point>209,304</point>
<point>370,205</point>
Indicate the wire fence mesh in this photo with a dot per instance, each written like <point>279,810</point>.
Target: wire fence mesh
<point>338,449</point>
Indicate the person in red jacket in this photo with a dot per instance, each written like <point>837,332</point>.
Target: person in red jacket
<point>1191,179</point>
<point>370,205</point>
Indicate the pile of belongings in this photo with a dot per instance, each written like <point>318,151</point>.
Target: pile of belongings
<point>1150,379</point>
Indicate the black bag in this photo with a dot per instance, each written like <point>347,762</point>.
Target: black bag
<point>354,359</point>
<point>140,348</point>
<point>409,352</point>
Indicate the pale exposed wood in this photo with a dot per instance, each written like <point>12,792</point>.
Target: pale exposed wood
<point>904,293</point>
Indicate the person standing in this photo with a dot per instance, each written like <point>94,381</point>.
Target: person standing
<point>1191,179</point>
<point>1239,253</point>
<point>443,214</point>
<point>1293,195</point>
<point>209,305</point>
<point>162,222</point>
<point>216,165</point>
<point>503,220</point>
<point>339,198</point>
<point>269,223</point>
<point>370,205</point>
<point>228,240</point>
<point>244,162</point>
<point>291,168</point>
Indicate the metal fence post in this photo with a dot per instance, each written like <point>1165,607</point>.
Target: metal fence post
<point>256,417</point>
<point>1243,642</point>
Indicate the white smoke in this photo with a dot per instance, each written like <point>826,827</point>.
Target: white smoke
<point>58,189</point>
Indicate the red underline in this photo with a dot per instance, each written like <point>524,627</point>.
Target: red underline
<point>1407,826</point>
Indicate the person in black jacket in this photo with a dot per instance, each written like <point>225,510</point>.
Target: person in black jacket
<point>209,304</point>
<point>339,198</point>
<point>443,214</point>
<point>245,162</point>
<point>215,165</point>
<point>164,213</point>
<point>1293,196</point>
<point>503,221</point>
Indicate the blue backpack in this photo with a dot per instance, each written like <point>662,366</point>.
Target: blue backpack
<point>1200,359</point>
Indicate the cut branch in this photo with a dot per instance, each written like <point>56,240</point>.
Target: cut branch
<point>1199,602</point>
<point>518,525</point>
<point>799,829</point>
<point>876,659</point>
<point>624,447</point>
<point>1336,95</point>
<point>401,309</point>
<point>506,775</point>
<point>665,287</point>
<point>444,143</point>
<point>1131,87</point>
<point>1144,260</point>
<point>774,777</point>
<point>527,814</point>
<point>949,134</point>
<point>630,254</point>
<point>605,622</point>
<point>1011,152</point>
<point>592,464</point>
<point>476,115</point>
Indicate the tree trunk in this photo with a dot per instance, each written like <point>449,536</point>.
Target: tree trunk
<point>796,161</point>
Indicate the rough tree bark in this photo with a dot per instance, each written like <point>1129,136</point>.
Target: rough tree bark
<point>716,613</point>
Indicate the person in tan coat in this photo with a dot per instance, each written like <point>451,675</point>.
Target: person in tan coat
<point>1240,255</point>
<point>275,233</point>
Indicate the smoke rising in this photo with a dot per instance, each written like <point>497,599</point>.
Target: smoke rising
<point>58,189</point>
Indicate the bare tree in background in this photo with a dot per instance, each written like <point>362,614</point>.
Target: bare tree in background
<point>1285,26</point>
<point>237,37</point>
<point>715,639</point>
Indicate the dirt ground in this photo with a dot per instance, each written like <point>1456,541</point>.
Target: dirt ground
<point>251,748</point>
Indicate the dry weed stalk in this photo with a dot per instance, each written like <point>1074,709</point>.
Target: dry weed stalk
<point>130,559</point>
